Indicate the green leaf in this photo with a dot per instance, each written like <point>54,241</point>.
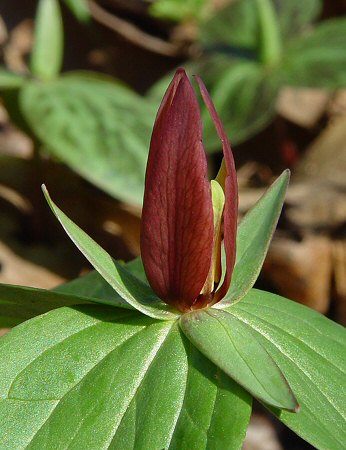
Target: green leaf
<point>253,238</point>
<point>10,80</point>
<point>47,52</point>
<point>178,10</point>
<point>237,42</point>
<point>94,287</point>
<point>131,289</point>
<point>97,126</point>
<point>295,16</point>
<point>319,59</point>
<point>18,303</point>
<point>232,346</point>
<point>80,9</point>
<point>136,268</point>
<point>237,26</point>
<point>124,381</point>
<point>270,42</point>
<point>233,27</point>
<point>310,350</point>
<point>244,96</point>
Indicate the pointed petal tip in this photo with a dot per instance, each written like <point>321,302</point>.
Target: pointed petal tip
<point>180,71</point>
<point>179,76</point>
<point>182,81</point>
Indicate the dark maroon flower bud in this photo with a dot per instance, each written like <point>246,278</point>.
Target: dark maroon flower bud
<point>183,214</point>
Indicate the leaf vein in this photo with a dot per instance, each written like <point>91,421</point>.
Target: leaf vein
<point>80,381</point>
<point>49,348</point>
<point>143,375</point>
<point>282,331</point>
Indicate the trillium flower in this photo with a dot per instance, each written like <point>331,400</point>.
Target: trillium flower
<point>185,217</point>
<point>186,222</point>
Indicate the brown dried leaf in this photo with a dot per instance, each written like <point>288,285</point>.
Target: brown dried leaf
<point>15,270</point>
<point>325,159</point>
<point>302,106</point>
<point>302,270</point>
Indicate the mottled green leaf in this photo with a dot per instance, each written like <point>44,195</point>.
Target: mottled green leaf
<point>47,52</point>
<point>311,352</point>
<point>319,59</point>
<point>295,16</point>
<point>237,26</point>
<point>238,42</point>
<point>232,346</point>
<point>231,29</point>
<point>104,378</point>
<point>244,96</point>
<point>97,126</point>
<point>253,238</point>
<point>131,289</point>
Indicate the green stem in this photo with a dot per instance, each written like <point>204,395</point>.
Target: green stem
<point>270,37</point>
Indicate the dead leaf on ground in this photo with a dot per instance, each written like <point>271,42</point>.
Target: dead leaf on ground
<point>316,206</point>
<point>337,105</point>
<point>261,434</point>
<point>19,46</point>
<point>302,106</point>
<point>325,159</point>
<point>15,270</point>
<point>301,271</point>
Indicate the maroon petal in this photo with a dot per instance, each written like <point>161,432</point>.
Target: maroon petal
<point>231,193</point>
<point>177,218</point>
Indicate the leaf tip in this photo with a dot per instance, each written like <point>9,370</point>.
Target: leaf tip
<point>46,193</point>
<point>294,406</point>
<point>297,408</point>
<point>49,200</point>
<point>287,174</point>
